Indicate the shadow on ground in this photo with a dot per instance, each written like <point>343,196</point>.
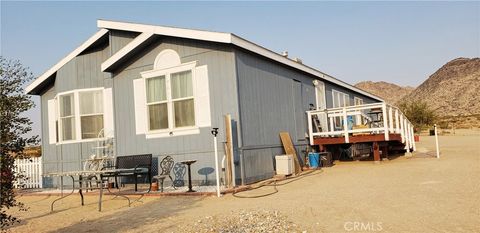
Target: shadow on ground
<point>135,217</point>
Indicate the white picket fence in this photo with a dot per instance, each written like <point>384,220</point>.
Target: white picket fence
<point>32,171</point>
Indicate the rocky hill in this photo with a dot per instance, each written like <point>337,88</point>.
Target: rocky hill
<point>453,90</point>
<point>390,92</point>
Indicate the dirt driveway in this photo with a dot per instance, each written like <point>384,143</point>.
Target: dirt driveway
<point>420,194</point>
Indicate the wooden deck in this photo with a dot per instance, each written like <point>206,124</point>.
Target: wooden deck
<point>356,139</point>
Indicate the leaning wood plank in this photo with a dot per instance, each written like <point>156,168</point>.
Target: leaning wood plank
<point>290,149</point>
<point>228,151</point>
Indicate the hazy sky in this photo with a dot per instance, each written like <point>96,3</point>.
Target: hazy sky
<point>399,42</point>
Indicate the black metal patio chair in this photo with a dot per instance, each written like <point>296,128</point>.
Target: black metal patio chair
<point>166,165</point>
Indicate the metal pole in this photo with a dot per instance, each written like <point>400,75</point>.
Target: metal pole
<point>217,172</point>
<point>436,141</point>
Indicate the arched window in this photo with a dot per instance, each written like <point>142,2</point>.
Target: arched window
<point>173,98</point>
<point>169,90</point>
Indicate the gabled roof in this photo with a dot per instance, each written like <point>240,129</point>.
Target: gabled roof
<point>43,78</point>
<point>147,31</point>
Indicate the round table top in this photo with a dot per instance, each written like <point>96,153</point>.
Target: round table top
<point>188,162</point>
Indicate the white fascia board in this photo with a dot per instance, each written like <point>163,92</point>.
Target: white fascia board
<point>66,59</point>
<point>240,42</point>
<point>167,31</point>
<point>126,50</point>
<point>230,38</point>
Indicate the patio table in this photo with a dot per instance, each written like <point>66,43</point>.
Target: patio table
<point>82,178</point>
<point>188,163</point>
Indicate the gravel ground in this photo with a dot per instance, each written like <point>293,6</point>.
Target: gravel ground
<point>242,222</point>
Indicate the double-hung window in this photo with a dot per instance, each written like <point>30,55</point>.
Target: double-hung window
<point>340,100</point>
<point>80,114</point>
<point>173,98</point>
<point>91,113</point>
<point>358,118</point>
<point>170,100</point>
<point>357,101</point>
<point>67,117</point>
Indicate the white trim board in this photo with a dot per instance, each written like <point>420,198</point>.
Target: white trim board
<point>222,37</point>
<point>66,59</point>
<point>126,50</point>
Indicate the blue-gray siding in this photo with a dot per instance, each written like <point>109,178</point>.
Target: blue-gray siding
<point>273,98</point>
<point>262,96</point>
<point>223,100</point>
<point>81,72</point>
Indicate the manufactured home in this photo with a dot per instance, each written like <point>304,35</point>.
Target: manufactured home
<point>160,90</point>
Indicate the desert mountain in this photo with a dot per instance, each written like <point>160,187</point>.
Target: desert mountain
<point>390,92</point>
<point>453,90</point>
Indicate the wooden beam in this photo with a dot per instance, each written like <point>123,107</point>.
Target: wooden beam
<point>376,152</point>
<point>229,180</point>
<point>355,139</point>
<point>290,150</point>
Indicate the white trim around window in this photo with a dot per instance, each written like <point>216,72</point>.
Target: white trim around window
<point>73,108</point>
<point>340,99</point>
<point>357,101</point>
<point>167,101</point>
<point>177,94</point>
<point>320,95</point>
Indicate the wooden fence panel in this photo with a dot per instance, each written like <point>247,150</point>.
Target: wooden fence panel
<point>31,169</point>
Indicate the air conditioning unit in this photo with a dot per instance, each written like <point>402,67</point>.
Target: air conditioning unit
<point>284,164</point>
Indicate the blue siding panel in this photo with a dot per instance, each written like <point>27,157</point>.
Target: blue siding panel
<point>273,98</point>
<point>222,85</point>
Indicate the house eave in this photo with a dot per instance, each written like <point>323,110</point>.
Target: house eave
<point>219,37</point>
<point>34,88</point>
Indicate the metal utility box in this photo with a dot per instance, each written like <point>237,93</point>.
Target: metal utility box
<point>284,164</point>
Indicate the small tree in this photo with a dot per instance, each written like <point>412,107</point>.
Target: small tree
<point>418,113</point>
<point>13,102</point>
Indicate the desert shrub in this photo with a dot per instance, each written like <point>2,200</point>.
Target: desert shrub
<point>13,129</point>
<point>419,113</point>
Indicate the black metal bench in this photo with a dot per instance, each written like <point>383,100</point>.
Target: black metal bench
<point>133,166</point>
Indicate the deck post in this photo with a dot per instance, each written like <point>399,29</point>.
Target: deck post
<point>376,152</point>
<point>332,129</point>
<point>385,121</point>
<point>390,119</point>
<point>345,125</point>
<point>412,132</point>
<point>310,129</point>
<point>397,123</point>
<point>402,128</point>
<point>407,138</point>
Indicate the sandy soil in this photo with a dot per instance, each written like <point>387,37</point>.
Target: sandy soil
<point>418,194</point>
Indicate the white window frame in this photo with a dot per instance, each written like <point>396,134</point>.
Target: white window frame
<point>77,115</point>
<point>171,130</point>
<point>338,123</point>
<point>346,98</point>
<point>357,101</point>
<point>320,88</point>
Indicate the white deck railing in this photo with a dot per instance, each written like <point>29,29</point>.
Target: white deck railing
<point>377,118</point>
<point>31,169</point>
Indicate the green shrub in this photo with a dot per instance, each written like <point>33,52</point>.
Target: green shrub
<point>419,114</point>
